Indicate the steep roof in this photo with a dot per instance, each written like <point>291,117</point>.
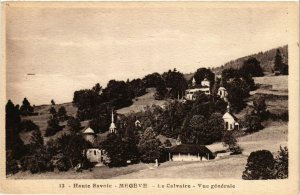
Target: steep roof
<point>229,115</point>
<point>88,131</point>
<point>221,88</point>
<point>191,149</point>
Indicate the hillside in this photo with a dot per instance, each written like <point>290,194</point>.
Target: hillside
<point>141,102</point>
<point>266,60</point>
<point>43,116</point>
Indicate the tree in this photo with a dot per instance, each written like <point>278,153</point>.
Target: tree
<point>252,122</point>
<point>118,94</point>
<point>11,164</point>
<point>259,166</point>
<point>75,150</point>
<point>52,102</point>
<point>137,87</point>
<point>52,111</point>
<point>62,114</point>
<point>161,89</point>
<point>150,80</point>
<point>26,108</point>
<point>204,131</point>
<point>53,127</point>
<point>116,151</point>
<point>251,67</point>
<point>176,81</point>
<point>167,143</point>
<point>97,88</point>
<point>229,73</point>
<point>230,141</point>
<point>237,90</point>
<point>260,107</point>
<point>14,144</point>
<point>278,61</point>
<point>28,125</point>
<point>281,166</point>
<point>74,124</point>
<point>279,65</point>
<point>203,73</point>
<point>150,148</point>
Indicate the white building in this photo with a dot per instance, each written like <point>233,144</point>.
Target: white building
<point>189,152</point>
<point>205,83</point>
<point>190,94</point>
<point>222,92</point>
<point>112,128</point>
<point>230,121</point>
<point>94,154</point>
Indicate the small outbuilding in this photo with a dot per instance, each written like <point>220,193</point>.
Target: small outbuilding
<point>190,152</point>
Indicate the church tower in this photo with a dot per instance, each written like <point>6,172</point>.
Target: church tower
<point>112,128</point>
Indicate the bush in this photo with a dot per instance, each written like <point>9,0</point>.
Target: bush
<point>63,164</point>
<point>281,167</point>
<point>259,166</point>
<point>252,122</point>
<point>37,163</point>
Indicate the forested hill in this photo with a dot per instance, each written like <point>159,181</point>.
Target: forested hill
<point>266,60</point>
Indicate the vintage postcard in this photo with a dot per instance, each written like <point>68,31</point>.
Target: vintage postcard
<point>149,97</point>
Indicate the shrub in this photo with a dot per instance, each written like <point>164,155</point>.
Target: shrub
<point>281,167</point>
<point>63,164</point>
<point>37,163</point>
<point>259,166</point>
<point>252,122</point>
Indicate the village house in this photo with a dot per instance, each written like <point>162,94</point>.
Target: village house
<point>230,121</point>
<point>190,94</point>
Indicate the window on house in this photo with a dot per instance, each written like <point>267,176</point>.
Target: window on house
<point>94,152</point>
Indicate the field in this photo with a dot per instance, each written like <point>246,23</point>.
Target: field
<point>141,102</point>
<point>274,135</point>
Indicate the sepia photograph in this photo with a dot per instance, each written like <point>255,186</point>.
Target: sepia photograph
<point>144,90</point>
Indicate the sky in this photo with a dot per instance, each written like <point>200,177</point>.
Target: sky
<point>74,47</point>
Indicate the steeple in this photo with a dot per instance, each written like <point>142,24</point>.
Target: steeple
<point>193,81</point>
<point>228,108</point>
<point>112,128</point>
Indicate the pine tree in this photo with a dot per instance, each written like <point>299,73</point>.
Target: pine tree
<point>278,61</point>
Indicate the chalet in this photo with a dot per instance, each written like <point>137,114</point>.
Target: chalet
<point>190,94</point>
<point>190,152</point>
<point>230,121</point>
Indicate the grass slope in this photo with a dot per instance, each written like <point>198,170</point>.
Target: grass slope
<point>141,102</point>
